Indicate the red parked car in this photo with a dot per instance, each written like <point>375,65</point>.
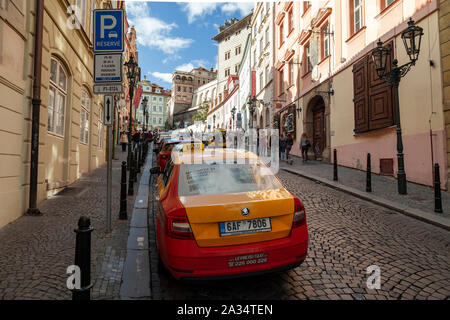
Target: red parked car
<point>166,151</point>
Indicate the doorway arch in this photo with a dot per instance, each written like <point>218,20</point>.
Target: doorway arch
<point>316,126</point>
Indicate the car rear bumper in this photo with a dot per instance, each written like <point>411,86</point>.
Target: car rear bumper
<point>186,260</point>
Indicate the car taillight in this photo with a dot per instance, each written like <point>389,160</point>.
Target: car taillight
<point>179,228</point>
<point>299,214</point>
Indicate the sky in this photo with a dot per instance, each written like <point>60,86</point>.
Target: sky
<point>177,35</point>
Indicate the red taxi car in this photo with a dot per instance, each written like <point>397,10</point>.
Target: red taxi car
<point>219,218</point>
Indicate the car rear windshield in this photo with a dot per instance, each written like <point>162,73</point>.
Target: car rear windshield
<point>170,146</point>
<point>205,179</point>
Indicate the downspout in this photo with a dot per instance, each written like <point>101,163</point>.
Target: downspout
<point>36,102</point>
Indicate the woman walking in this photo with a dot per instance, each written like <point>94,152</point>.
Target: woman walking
<point>282,146</point>
<point>289,144</point>
<point>124,141</point>
<point>304,146</point>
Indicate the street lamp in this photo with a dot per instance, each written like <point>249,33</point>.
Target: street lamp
<point>233,112</point>
<point>411,37</point>
<point>144,106</point>
<point>132,73</point>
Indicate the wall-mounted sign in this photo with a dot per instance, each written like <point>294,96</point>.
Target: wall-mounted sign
<point>108,67</point>
<point>106,88</point>
<point>108,30</point>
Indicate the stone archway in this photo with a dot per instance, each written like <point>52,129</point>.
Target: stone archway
<point>315,127</point>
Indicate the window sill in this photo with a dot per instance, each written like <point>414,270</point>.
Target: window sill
<point>355,34</point>
<point>306,74</point>
<point>56,135</point>
<point>385,10</point>
<point>324,59</point>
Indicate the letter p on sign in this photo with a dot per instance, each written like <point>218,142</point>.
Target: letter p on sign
<point>104,26</point>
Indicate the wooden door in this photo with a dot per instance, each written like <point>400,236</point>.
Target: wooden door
<point>318,133</point>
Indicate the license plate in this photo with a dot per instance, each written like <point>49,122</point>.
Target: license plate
<point>230,228</point>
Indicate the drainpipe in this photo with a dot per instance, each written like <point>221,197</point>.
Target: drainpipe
<point>36,102</point>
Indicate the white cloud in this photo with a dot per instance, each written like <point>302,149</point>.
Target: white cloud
<point>243,7</point>
<point>196,9</point>
<point>166,77</point>
<point>153,32</point>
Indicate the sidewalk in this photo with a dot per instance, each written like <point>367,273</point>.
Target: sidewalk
<point>418,203</point>
<point>36,251</point>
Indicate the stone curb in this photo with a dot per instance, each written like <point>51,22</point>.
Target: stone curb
<point>400,208</point>
<point>136,274</point>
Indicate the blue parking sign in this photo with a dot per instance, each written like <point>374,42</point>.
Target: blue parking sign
<point>108,30</point>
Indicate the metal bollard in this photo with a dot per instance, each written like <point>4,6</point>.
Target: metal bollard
<point>437,190</point>
<point>123,193</point>
<point>335,174</point>
<point>142,153</point>
<point>369,175</point>
<point>83,258</point>
<point>139,158</point>
<point>130,178</point>
<point>136,167</point>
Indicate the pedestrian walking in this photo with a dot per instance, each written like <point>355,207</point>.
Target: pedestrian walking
<point>282,146</point>
<point>305,144</point>
<point>289,144</point>
<point>136,139</point>
<point>124,141</point>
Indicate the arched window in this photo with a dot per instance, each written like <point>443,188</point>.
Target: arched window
<point>57,97</point>
<point>84,116</point>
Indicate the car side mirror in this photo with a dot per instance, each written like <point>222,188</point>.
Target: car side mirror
<point>155,170</point>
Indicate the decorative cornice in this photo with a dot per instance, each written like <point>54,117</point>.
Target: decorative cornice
<point>304,35</point>
<point>321,16</point>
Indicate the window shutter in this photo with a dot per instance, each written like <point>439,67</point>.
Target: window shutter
<point>381,97</point>
<point>360,96</point>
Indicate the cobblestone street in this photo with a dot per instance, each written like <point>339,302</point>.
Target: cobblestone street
<point>346,236</point>
<point>36,251</point>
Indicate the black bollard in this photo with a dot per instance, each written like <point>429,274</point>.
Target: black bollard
<point>437,190</point>
<point>83,259</point>
<point>140,158</point>
<point>130,178</point>
<point>335,175</point>
<point>142,153</point>
<point>123,193</point>
<point>136,167</point>
<point>369,175</point>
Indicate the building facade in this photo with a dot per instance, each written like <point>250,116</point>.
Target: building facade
<point>157,114</point>
<point>184,84</point>
<point>72,136</point>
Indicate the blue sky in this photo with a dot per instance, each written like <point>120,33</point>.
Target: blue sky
<point>177,35</point>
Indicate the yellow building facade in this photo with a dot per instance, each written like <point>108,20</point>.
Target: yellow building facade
<point>72,137</point>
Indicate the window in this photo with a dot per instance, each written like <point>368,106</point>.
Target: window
<point>160,99</point>
<point>281,81</point>
<point>373,100</point>
<point>267,6</point>
<point>160,108</point>
<point>100,128</point>
<point>307,58</point>
<point>154,120</point>
<point>227,55</point>
<point>227,72</point>
<point>267,37</point>
<point>57,98</point>
<point>325,41</point>
<point>154,108</point>
<point>184,89</point>
<point>159,120</point>
<point>179,88</point>
<point>81,12</point>
<point>290,21</point>
<point>281,34</point>
<point>190,88</point>
<point>306,5</point>
<point>267,74</point>
<point>237,50</point>
<point>261,81</point>
<point>84,117</point>
<point>386,3</point>
<point>291,73</point>
<point>261,46</point>
<point>356,18</point>
<point>236,68</point>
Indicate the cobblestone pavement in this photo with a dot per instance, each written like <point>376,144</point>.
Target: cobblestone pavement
<point>419,196</point>
<point>346,236</point>
<point>35,251</point>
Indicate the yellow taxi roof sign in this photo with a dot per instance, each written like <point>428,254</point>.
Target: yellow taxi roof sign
<point>195,146</point>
